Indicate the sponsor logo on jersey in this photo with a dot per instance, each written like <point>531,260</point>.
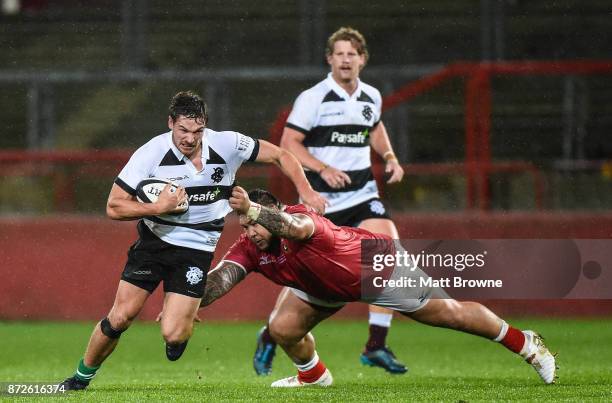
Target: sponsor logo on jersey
<point>243,143</point>
<point>339,113</point>
<point>210,241</point>
<point>209,196</point>
<point>350,138</point>
<point>178,178</point>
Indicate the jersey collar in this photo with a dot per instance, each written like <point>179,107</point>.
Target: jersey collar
<point>205,151</point>
<point>331,83</point>
<point>179,155</point>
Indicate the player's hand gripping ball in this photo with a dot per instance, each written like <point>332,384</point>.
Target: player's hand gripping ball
<point>148,191</point>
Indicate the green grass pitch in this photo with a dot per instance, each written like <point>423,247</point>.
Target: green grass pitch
<point>444,365</point>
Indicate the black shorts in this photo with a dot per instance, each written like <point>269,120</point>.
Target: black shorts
<point>151,260</point>
<point>353,216</point>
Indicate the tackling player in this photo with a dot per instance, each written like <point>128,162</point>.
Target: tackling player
<point>177,249</point>
<point>321,264</point>
<point>331,129</point>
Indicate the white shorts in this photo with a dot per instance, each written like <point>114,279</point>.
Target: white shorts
<point>316,301</point>
<point>402,299</point>
<point>399,299</point>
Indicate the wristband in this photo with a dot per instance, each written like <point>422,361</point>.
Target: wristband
<point>391,154</point>
<point>253,211</point>
<point>325,166</point>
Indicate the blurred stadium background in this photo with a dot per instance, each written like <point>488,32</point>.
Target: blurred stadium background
<point>501,111</point>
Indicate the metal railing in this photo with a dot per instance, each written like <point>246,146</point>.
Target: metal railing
<point>104,165</point>
<point>478,163</point>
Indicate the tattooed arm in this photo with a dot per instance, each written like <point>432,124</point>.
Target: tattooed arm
<point>290,226</point>
<point>221,280</point>
<point>297,226</point>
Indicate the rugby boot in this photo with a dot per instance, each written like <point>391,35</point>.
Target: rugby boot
<point>383,358</point>
<point>294,382</point>
<point>539,357</point>
<point>73,383</point>
<point>264,355</point>
<point>175,351</point>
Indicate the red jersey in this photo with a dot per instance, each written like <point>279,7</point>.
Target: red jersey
<point>326,266</point>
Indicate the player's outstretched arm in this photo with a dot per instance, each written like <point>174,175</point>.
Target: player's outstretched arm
<point>291,167</point>
<point>123,206</point>
<point>221,280</point>
<point>298,227</point>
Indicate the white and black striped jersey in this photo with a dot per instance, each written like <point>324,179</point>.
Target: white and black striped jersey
<point>337,128</point>
<point>208,190</point>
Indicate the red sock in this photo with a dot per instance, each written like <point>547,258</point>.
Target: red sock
<point>514,340</point>
<point>312,374</point>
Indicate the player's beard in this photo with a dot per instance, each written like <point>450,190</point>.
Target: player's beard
<point>273,245</point>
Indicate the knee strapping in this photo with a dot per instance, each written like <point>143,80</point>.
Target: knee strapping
<point>108,330</point>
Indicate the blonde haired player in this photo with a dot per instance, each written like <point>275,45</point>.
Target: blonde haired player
<point>331,130</point>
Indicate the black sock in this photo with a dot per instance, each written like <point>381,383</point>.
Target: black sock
<point>266,338</point>
<point>378,337</point>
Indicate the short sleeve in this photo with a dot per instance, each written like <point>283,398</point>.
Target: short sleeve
<point>377,106</point>
<point>239,253</point>
<point>303,115</point>
<point>323,232</point>
<point>246,147</point>
<point>139,167</point>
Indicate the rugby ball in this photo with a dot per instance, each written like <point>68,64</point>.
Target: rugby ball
<point>148,191</point>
